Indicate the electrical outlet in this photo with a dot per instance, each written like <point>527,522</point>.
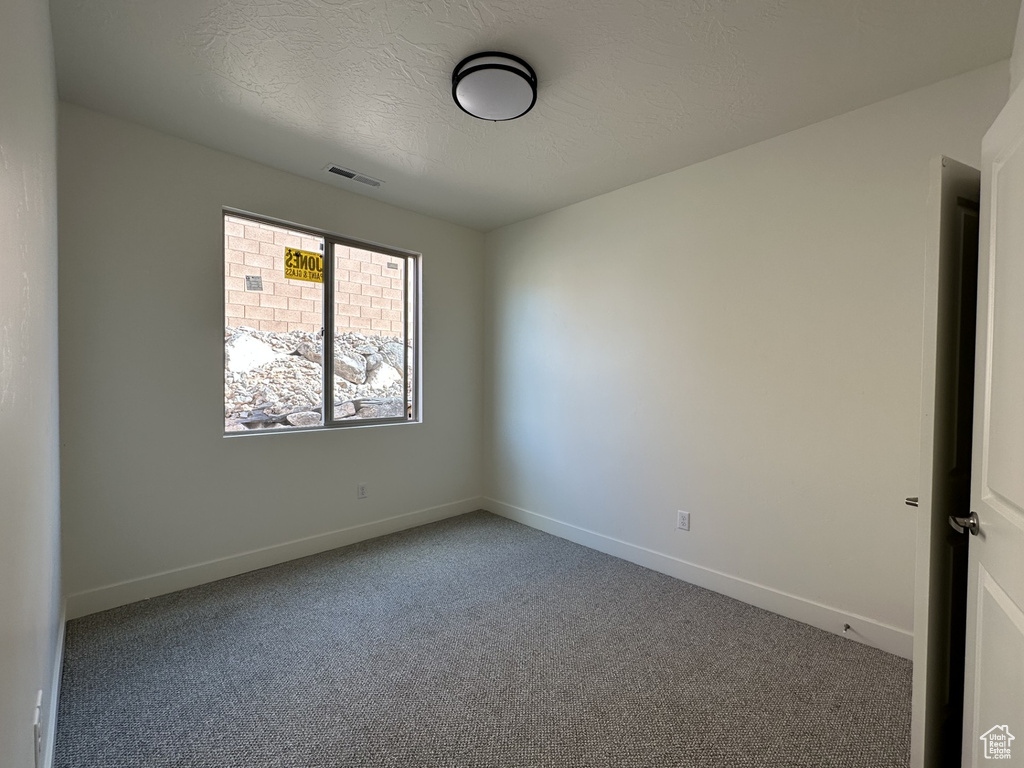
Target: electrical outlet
<point>683,520</point>
<point>37,729</point>
<point>361,491</point>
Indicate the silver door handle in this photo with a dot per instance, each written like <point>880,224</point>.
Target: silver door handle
<point>911,501</point>
<point>970,523</point>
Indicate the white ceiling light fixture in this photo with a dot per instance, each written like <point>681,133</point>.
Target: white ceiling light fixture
<point>494,86</point>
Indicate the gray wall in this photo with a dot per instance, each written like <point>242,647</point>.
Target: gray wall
<point>29,486</point>
<point>155,497</point>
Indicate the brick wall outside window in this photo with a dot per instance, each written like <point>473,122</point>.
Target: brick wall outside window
<point>368,293</point>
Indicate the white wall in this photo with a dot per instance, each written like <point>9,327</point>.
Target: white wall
<point>150,486</point>
<point>767,378</point>
<point>1017,57</point>
<point>29,485</point>
<point>740,339</point>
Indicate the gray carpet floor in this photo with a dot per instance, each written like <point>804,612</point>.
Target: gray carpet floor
<point>471,642</point>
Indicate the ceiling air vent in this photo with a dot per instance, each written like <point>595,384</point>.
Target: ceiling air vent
<point>355,176</point>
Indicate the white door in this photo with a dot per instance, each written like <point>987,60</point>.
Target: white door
<point>994,692</point>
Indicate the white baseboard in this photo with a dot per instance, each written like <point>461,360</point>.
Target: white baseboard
<point>863,629</point>
<point>50,736</point>
<point>133,590</point>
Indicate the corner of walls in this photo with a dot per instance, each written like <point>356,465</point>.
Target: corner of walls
<point>1017,58</point>
<point>154,496</point>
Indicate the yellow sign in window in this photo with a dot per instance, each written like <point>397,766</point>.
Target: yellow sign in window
<point>303,265</point>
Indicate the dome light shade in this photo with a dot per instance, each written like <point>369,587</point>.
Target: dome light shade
<point>494,86</point>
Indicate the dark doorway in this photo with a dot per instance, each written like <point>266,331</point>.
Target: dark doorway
<point>954,402</point>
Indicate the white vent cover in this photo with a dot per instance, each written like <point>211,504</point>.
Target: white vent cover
<point>348,173</point>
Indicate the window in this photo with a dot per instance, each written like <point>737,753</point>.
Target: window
<point>288,289</point>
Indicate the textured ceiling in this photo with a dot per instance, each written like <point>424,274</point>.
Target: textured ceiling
<point>629,89</point>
